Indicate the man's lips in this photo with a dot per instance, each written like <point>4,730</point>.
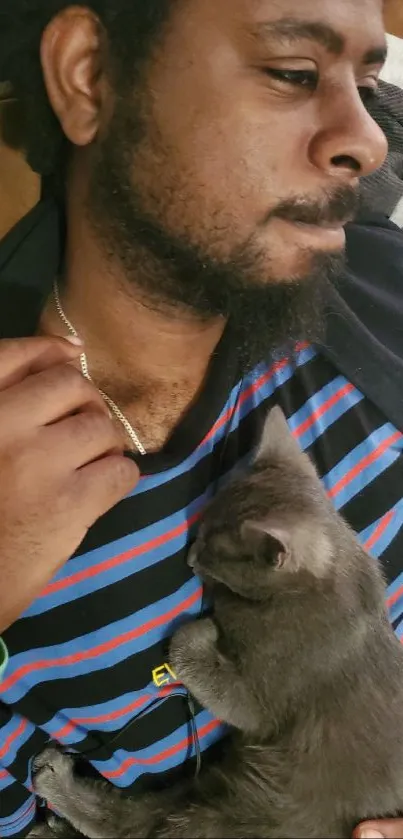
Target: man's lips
<point>319,235</point>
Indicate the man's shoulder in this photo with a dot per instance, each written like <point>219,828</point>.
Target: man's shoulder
<point>364,335</point>
<point>372,284</point>
<point>30,257</point>
<point>374,243</point>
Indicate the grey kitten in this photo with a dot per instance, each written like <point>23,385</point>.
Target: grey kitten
<point>298,657</point>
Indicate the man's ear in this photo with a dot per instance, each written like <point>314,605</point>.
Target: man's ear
<point>268,543</point>
<point>72,54</point>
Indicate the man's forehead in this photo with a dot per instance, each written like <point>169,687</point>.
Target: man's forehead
<point>329,9</point>
<point>334,25</point>
<point>345,16</point>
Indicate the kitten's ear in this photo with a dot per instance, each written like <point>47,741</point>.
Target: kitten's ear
<point>276,436</point>
<point>267,543</point>
<point>277,439</point>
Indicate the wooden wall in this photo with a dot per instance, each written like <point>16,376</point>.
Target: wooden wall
<point>394,17</point>
<point>19,187</point>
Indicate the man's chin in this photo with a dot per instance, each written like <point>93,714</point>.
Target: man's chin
<point>294,265</point>
<point>270,318</point>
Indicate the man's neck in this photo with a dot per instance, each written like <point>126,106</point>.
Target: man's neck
<point>152,362</point>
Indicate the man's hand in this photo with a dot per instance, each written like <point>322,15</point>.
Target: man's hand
<point>387,829</point>
<point>61,465</point>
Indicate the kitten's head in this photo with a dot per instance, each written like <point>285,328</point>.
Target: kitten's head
<point>270,524</point>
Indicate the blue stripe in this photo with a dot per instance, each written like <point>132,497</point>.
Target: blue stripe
<point>389,534</point>
<point>399,630</point>
<point>101,636</point>
<point>80,730</point>
<point>329,417</point>
<point>11,825</point>
<point>8,730</point>
<point>6,782</point>
<point>133,772</point>
<point>369,473</point>
<point>396,609</point>
<point>394,587</point>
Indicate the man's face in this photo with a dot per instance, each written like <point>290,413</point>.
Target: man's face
<point>252,137</point>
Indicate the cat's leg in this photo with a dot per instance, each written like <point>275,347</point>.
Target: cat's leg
<point>95,808</point>
<point>85,804</point>
<point>212,678</point>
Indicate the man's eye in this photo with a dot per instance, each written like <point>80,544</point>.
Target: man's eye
<point>297,78</point>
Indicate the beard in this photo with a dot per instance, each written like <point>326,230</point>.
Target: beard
<point>267,314</point>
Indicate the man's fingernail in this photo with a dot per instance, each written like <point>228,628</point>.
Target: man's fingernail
<point>370,833</point>
<point>74,339</point>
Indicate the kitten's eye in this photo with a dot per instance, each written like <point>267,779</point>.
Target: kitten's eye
<point>294,78</point>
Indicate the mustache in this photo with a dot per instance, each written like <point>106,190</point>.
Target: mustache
<point>338,208</point>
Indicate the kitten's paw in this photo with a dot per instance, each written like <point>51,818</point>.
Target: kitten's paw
<point>41,831</point>
<point>53,774</point>
<point>190,644</point>
<point>54,828</point>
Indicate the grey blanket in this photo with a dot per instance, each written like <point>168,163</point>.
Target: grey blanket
<point>382,192</point>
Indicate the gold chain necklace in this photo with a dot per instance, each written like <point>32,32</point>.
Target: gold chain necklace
<point>85,371</point>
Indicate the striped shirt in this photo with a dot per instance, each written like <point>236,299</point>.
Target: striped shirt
<point>88,663</point>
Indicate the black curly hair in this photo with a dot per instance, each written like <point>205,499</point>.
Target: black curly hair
<point>131,26</point>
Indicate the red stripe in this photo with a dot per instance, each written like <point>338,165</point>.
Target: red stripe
<point>3,774</point>
<point>379,530</point>
<point>344,391</point>
<point>173,750</point>
<point>113,715</point>
<point>262,380</point>
<point>366,461</point>
<point>395,596</point>
<point>115,561</point>
<point>95,652</point>
<point>12,737</point>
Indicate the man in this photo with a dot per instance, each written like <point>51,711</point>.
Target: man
<point>208,155</point>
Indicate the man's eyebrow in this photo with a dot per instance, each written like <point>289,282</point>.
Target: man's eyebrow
<point>378,55</point>
<point>294,29</point>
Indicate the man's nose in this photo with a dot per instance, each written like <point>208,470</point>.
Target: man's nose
<point>348,144</point>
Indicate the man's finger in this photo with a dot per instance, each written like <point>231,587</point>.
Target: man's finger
<point>386,829</point>
<point>23,356</point>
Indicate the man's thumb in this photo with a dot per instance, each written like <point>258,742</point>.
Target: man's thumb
<point>387,829</point>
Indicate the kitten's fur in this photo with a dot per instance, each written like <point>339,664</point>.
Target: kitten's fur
<point>298,656</point>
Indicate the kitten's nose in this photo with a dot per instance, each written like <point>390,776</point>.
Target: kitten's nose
<point>192,556</point>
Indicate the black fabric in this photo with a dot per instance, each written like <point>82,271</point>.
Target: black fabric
<point>30,257</point>
<point>364,337</point>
